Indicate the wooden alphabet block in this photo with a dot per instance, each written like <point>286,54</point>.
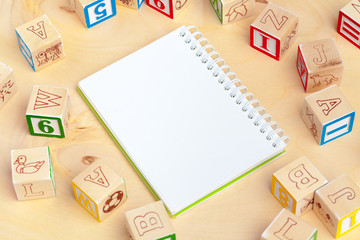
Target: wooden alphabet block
<point>40,42</point>
<point>134,4</point>
<point>150,222</point>
<point>169,8</point>
<point>273,31</point>
<point>47,113</point>
<point>32,173</point>
<point>337,204</point>
<point>99,189</point>
<point>288,226</point>
<point>229,11</point>
<point>328,114</point>
<point>93,12</point>
<point>8,85</point>
<point>319,64</point>
<point>349,22</point>
<point>294,185</point>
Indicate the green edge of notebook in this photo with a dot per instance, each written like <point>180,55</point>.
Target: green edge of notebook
<point>148,185</point>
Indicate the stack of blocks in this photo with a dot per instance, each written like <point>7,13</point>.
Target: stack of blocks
<point>8,86</point>
<point>134,4</point>
<point>150,222</point>
<point>99,189</point>
<point>349,22</point>
<point>169,8</point>
<point>273,31</point>
<point>32,173</point>
<point>229,11</point>
<point>40,42</point>
<point>47,113</point>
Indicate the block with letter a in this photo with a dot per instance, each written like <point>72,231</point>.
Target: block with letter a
<point>286,226</point>
<point>337,204</point>
<point>149,222</point>
<point>32,173</point>
<point>294,185</point>
<point>349,22</point>
<point>169,8</point>
<point>8,85</point>
<point>328,114</point>
<point>273,31</point>
<point>229,11</point>
<point>47,113</point>
<point>99,189</point>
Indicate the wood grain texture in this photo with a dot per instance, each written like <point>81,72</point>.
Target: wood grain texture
<point>241,212</point>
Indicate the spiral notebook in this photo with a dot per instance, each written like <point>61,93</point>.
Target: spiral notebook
<point>182,118</point>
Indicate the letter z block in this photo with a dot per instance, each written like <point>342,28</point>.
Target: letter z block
<point>47,113</point>
<point>134,4</point>
<point>169,8</point>
<point>273,31</point>
<point>229,11</point>
<point>150,222</point>
<point>337,204</point>
<point>100,190</point>
<point>328,114</point>
<point>32,173</point>
<point>8,85</point>
<point>288,226</point>
<point>294,185</point>
<point>40,42</point>
<point>349,22</point>
<point>93,12</point>
<point>319,64</point>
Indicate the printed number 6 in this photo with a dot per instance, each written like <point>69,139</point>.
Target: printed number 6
<point>102,12</point>
<point>159,4</point>
<point>44,127</point>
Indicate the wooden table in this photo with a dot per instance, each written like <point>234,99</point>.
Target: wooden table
<point>241,212</point>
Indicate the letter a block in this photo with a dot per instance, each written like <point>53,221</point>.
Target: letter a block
<point>150,222</point>
<point>8,86</point>
<point>93,12</point>
<point>337,204</point>
<point>229,11</point>
<point>47,113</point>
<point>273,31</point>
<point>319,64</point>
<point>294,185</point>
<point>32,173</point>
<point>169,8</point>
<point>328,114</point>
<point>100,190</point>
<point>134,4</point>
<point>287,226</point>
<point>349,22</point>
<point>40,42</point>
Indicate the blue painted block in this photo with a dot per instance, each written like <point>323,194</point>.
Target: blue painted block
<point>337,128</point>
<point>140,2</point>
<point>99,11</point>
<point>25,50</point>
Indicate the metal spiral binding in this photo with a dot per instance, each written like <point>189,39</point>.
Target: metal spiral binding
<point>239,92</point>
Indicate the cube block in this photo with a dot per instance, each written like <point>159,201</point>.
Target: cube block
<point>8,85</point>
<point>134,4</point>
<point>169,8</point>
<point>294,185</point>
<point>349,22</point>
<point>32,173</point>
<point>229,11</point>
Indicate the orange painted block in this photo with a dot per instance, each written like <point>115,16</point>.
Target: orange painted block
<point>99,189</point>
<point>349,22</point>
<point>295,184</point>
<point>32,173</point>
<point>8,85</point>
<point>229,11</point>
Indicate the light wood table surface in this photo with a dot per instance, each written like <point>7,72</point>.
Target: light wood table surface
<point>242,211</point>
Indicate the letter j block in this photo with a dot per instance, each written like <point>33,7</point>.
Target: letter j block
<point>349,22</point>
<point>150,222</point>
<point>295,184</point>
<point>47,113</point>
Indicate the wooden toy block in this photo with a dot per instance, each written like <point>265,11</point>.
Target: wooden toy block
<point>32,173</point>
<point>169,8</point>
<point>319,64</point>
<point>150,222</point>
<point>337,204</point>
<point>40,42</point>
<point>134,4</point>
<point>349,22</point>
<point>328,114</point>
<point>8,85</point>
<point>288,226</point>
<point>93,12</point>
<point>99,189</point>
<point>229,11</point>
<point>294,185</point>
<point>47,113</point>
<point>273,31</point>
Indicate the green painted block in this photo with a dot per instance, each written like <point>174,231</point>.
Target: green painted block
<point>170,237</point>
<point>45,126</point>
<point>218,8</point>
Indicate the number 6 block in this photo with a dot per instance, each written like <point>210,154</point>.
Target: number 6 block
<point>169,8</point>
<point>47,113</point>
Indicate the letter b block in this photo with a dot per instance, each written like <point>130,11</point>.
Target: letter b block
<point>337,204</point>
<point>294,185</point>
<point>273,31</point>
<point>150,222</point>
<point>349,22</point>
<point>8,86</point>
<point>229,11</point>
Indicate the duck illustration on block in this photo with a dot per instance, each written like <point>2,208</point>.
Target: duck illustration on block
<point>27,168</point>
